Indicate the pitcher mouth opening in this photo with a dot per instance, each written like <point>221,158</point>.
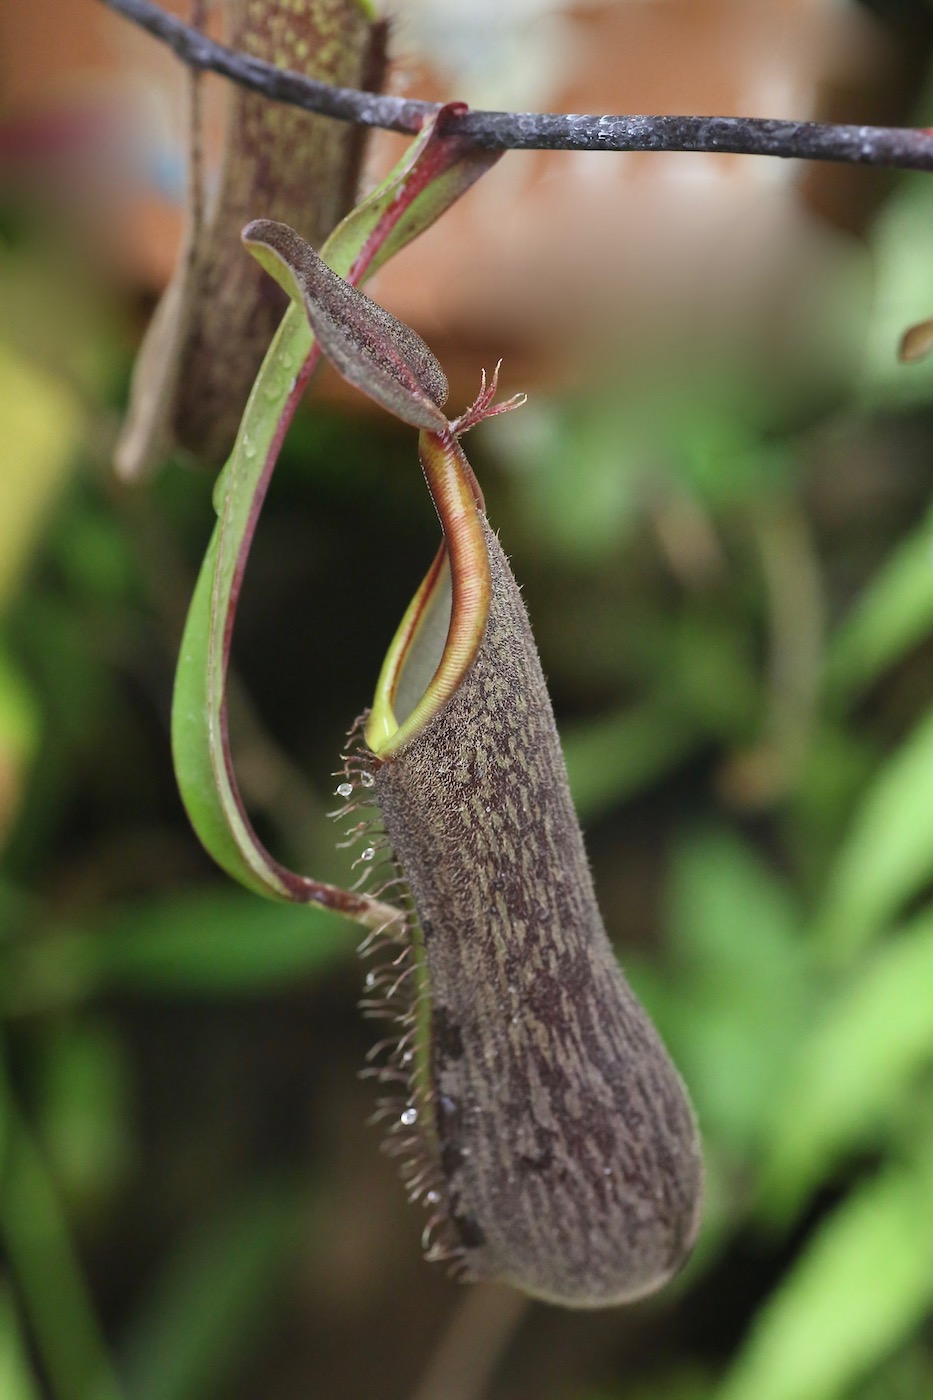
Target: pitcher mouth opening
<point>440,634</point>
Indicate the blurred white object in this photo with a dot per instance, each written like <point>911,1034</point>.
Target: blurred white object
<point>554,251</point>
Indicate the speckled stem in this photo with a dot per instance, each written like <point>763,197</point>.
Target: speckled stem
<point>568,1151</point>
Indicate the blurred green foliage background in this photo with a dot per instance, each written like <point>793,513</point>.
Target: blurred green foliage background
<point>732,587</point>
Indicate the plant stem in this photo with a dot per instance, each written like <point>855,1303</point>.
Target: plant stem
<point>470,1350</point>
<point>904,148</point>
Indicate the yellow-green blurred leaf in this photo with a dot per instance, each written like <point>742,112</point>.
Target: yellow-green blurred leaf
<point>214,1299</point>
<point>212,942</point>
<point>84,1107</point>
<point>39,423</point>
<point>874,1038</point>
<point>734,936</point>
<point>614,756</point>
<point>887,856</point>
<point>19,735</point>
<point>893,614</point>
<point>861,1287</point>
<point>17,1381</point>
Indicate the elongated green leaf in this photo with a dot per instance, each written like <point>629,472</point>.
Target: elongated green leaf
<point>894,614</point>
<point>876,1036</point>
<point>17,1381</point>
<point>434,172</point>
<point>40,423</point>
<point>198,715</point>
<point>43,1261</point>
<point>735,938</point>
<point>616,755</point>
<point>862,1286</point>
<point>214,1300</point>
<point>221,942</point>
<point>217,943</point>
<point>887,857</point>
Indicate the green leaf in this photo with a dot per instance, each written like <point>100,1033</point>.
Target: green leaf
<point>864,1283</point>
<point>214,1300</point>
<point>220,942</point>
<point>42,1259</point>
<point>853,1069</point>
<point>611,758</point>
<point>735,937</point>
<point>20,728</point>
<point>205,779</point>
<point>82,1107</point>
<point>17,1380</point>
<point>213,943</point>
<point>433,173</point>
<point>40,424</point>
<point>887,857</point>
<point>893,615</point>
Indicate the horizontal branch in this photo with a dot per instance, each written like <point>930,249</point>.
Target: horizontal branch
<point>903,148</point>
